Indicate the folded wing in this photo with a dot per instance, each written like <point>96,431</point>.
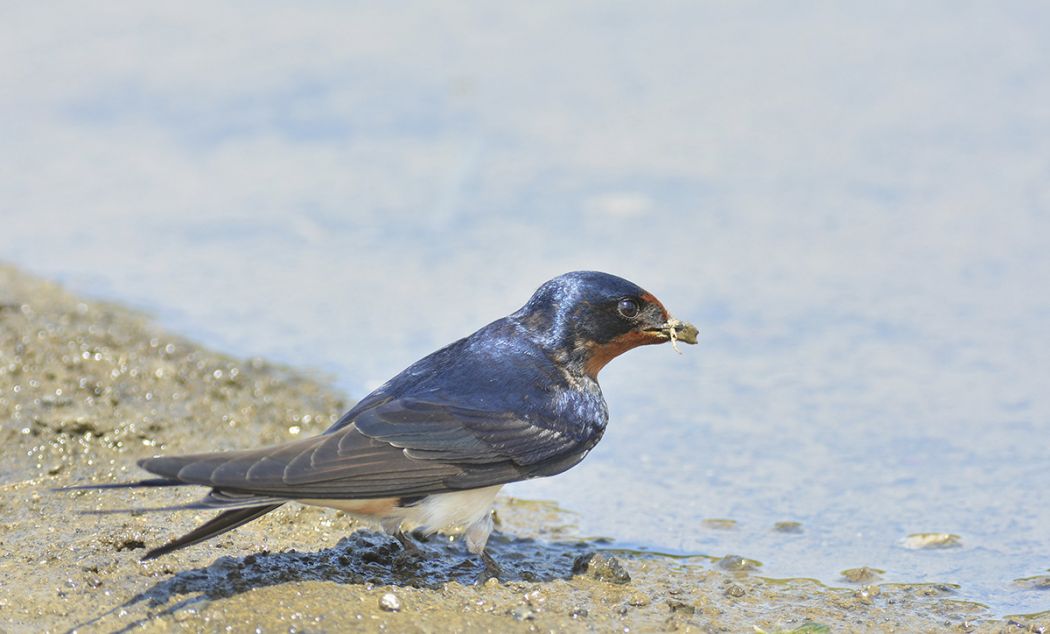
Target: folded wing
<point>402,447</point>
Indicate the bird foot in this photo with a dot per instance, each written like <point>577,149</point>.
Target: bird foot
<point>492,570</point>
<point>408,546</point>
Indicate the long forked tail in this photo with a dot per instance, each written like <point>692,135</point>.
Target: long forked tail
<point>137,484</point>
<point>223,522</point>
<point>245,509</point>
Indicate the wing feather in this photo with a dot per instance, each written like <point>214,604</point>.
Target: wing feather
<point>400,447</point>
<point>442,432</point>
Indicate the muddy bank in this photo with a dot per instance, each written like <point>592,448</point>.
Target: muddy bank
<point>86,388</point>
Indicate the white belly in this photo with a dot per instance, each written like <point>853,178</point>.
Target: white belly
<point>449,512</point>
<point>445,512</point>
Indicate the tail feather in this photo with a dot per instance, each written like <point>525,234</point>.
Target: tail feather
<point>223,522</point>
<point>192,506</point>
<point>150,482</point>
<point>238,508</point>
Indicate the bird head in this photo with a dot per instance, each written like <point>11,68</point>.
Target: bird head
<point>587,318</point>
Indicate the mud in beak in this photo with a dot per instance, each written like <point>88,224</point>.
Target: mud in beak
<point>674,331</point>
<point>680,331</point>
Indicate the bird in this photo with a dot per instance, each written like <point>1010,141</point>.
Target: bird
<point>428,450</point>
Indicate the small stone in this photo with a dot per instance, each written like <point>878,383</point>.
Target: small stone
<point>736,563</point>
<point>602,567</point>
<point>1041,582</point>
<point>866,593</point>
<point>862,574</point>
<point>638,599</point>
<point>181,616</point>
<point>735,590</point>
<point>926,541</point>
<point>522,614</point>
<point>788,527</point>
<point>390,603</point>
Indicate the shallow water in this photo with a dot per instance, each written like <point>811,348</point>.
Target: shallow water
<point>850,204</point>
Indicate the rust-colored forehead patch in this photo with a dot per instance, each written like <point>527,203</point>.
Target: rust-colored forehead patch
<point>650,298</point>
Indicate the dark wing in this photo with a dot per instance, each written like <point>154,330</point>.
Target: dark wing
<point>402,447</point>
<point>449,433</point>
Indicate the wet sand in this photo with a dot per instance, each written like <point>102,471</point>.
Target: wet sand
<point>86,388</point>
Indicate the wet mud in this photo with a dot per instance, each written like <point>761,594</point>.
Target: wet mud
<point>86,388</point>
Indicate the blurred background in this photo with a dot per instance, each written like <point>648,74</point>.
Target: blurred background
<point>850,201</point>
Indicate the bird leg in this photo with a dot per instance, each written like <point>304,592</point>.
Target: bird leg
<point>409,546</point>
<point>492,568</point>
<point>477,536</point>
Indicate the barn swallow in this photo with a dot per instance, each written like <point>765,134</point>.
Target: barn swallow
<point>428,450</point>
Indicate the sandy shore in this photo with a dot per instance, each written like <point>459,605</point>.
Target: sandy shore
<point>86,388</point>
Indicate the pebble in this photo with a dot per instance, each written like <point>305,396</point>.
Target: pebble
<point>863,574</point>
<point>638,599</point>
<point>602,567</point>
<point>1041,582</point>
<point>390,603</point>
<point>932,540</point>
<point>867,593</point>
<point>522,614</point>
<point>736,563</point>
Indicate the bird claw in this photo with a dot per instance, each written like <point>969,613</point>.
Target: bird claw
<point>409,547</point>
<point>492,569</point>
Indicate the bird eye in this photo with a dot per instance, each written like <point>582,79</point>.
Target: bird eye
<point>627,307</point>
